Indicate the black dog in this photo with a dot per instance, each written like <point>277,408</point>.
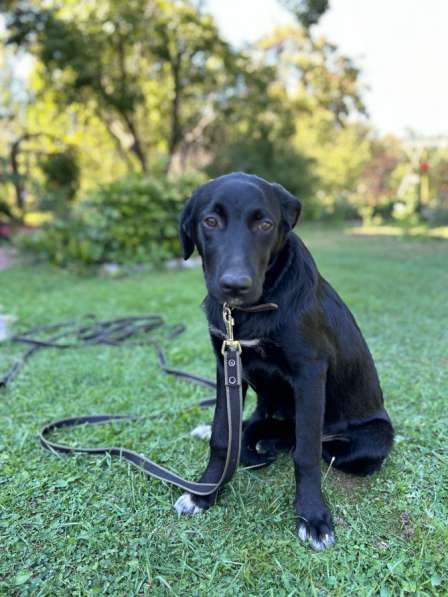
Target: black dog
<point>309,364</point>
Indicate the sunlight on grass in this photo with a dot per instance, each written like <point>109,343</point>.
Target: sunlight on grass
<point>391,230</point>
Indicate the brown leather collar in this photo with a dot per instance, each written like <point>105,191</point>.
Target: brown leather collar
<point>257,308</point>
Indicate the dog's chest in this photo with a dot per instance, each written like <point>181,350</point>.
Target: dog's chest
<point>265,367</point>
<point>265,362</point>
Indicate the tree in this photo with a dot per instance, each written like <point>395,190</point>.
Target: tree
<point>322,92</point>
<point>376,181</point>
<point>12,138</point>
<point>307,12</point>
<point>149,85</point>
<point>289,119</point>
<point>197,64</point>
<point>314,73</point>
<point>146,68</point>
<point>84,61</point>
<point>255,131</point>
<point>35,160</point>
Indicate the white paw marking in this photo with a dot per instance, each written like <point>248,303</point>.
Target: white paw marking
<point>318,545</point>
<point>303,534</point>
<point>202,431</point>
<point>328,539</point>
<point>185,505</point>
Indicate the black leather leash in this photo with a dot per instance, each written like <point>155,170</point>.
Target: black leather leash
<point>115,332</point>
<point>231,351</point>
<point>112,332</point>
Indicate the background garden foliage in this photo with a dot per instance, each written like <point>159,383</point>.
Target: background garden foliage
<point>114,223</point>
<point>122,98</point>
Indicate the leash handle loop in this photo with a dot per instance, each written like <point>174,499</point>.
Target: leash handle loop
<point>234,406</point>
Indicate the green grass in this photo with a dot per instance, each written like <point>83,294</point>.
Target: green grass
<point>420,231</point>
<point>85,526</point>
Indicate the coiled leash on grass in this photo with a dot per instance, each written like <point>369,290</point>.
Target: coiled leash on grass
<point>117,331</point>
<point>113,332</point>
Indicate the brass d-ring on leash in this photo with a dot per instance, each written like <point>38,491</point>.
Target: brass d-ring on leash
<point>231,351</point>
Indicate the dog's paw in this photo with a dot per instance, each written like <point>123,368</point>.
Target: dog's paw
<point>186,506</point>
<point>202,431</point>
<point>318,532</point>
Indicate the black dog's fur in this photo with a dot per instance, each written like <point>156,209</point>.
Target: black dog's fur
<point>312,370</point>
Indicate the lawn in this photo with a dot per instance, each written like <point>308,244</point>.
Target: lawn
<point>82,525</point>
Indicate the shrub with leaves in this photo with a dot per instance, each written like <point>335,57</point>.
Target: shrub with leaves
<point>132,220</point>
<point>62,179</point>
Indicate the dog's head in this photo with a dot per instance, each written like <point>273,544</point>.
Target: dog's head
<point>238,223</point>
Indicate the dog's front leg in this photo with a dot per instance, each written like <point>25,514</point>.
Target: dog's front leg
<point>192,504</point>
<point>315,525</point>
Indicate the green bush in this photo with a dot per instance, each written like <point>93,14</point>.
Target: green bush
<point>132,220</point>
<point>62,175</point>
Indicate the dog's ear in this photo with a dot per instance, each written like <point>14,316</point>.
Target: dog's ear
<point>186,227</point>
<point>291,206</point>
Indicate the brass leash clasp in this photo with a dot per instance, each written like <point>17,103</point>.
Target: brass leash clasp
<point>229,322</point>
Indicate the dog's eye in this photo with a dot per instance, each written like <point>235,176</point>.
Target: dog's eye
<point>265,226</point>
<point>211,222</point>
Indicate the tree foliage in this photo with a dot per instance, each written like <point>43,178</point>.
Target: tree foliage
<point>146,69</point>
<point>61,172</point>
<point>308,12</point>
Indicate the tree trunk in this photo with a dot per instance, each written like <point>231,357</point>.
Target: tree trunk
<point>120,145</point>
<point>136,147</point>
<point>16,177</point>
<point>176,131</point>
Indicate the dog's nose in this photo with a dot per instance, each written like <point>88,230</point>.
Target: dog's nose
<point>235,282</point>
